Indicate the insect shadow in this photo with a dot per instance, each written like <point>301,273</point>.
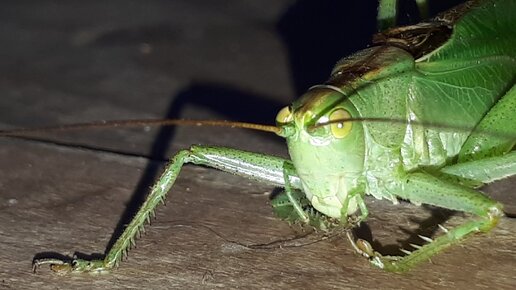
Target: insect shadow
<point>316,34</point>
<point>311,59</point>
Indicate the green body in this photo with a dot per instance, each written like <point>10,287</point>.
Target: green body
<point>456,84</point>
<point>457,70</point>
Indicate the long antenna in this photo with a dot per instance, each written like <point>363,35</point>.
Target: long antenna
<point>137,123</point>
<point>510,133</point>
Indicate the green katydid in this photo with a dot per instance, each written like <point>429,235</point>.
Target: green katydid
<point>460,64</point>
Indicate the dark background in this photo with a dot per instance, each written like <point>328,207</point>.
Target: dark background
<point>77,61</point>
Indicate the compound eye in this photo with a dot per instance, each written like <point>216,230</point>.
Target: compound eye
<point>285,115</point>
<point>340,129</point>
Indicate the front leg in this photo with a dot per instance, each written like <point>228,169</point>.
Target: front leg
<point>424,188</point>
<point>252,165</point>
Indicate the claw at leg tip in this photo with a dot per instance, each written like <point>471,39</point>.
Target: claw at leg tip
<point>365,248</point>
<point>56,265</point>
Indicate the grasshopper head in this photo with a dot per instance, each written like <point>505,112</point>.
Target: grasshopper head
<point>329,159</point>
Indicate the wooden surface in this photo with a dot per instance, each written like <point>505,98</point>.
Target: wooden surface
<point>75,61</point>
